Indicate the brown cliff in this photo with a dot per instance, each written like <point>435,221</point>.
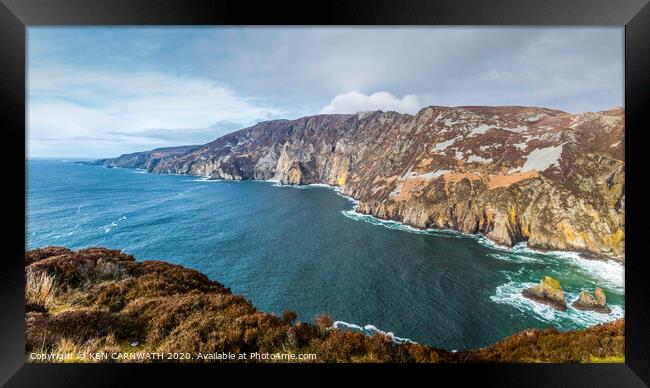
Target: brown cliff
<point>513,174</point>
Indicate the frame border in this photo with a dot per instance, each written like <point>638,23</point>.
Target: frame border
<point>17,15</point>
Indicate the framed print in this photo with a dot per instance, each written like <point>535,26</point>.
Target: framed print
<point>391,187</point>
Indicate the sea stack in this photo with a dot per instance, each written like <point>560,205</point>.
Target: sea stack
<point>592,302</point>
<point>549,292</point>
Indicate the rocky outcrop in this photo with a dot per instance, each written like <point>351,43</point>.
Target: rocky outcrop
<point>145,160</point>
<point>552,179</point>
<point>548,291</point>
<point>96,301</point>
<point>595,301</point>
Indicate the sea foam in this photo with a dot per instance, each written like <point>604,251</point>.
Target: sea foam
<point>510,293</point>
<point>370,330</point>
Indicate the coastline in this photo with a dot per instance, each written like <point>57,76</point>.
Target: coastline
<point>605,273</point>
<point>481,238</point>
<point>584,255</point>
<point>103,301</point>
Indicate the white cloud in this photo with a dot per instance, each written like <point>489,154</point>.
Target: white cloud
<point>354,102</point>
<point>87,105</point>
<point>85,80</point>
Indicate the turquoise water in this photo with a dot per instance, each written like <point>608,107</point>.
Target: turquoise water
<point>305,249</point>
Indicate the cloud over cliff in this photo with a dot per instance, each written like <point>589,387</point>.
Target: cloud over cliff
<point>354,102</point>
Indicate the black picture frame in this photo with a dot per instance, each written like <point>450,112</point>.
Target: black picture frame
<point>17,15</point>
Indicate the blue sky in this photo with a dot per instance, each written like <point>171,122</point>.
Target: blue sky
<point>102,92</point>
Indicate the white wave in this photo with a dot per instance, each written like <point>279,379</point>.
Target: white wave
<point>207,179</point>
<point>320,185</point>
<point>390,224</point>
<point>396,225</point>
<point>515,258</point>
<point>609,272</point>
<point>278,184</point>
<point>489,243</point>
<point>109,227</point>
<point>510,293</point>
<point>370,330</point>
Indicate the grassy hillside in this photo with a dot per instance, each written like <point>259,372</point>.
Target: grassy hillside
<point>97,301</point>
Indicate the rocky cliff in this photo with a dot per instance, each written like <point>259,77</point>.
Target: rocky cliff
<point>513,174</point>
<point>148,159</point>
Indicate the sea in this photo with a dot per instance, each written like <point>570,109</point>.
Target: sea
<point>306,249</point>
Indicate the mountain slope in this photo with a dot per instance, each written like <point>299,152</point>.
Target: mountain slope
<point>513,174</point>
<point>147,159</point>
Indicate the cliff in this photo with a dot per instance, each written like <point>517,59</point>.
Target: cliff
<point>147,159</point>
<point>97,301</point>
<point>513,174</point>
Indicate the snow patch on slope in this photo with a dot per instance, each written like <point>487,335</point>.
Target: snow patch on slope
<point>542,158</point>
<point>443,145</point>
<point>478,159</point>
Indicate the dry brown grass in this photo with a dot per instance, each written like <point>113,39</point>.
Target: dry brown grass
<point>40,288</point>
<point>100,300</point>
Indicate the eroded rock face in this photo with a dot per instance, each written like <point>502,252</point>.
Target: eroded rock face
<point>595,301</point>
<point>549,292</point>
<point>513,174</point>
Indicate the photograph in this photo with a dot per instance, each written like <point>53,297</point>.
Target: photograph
<point>325,194</point>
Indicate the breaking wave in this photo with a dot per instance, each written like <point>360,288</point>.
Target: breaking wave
<point>113,224</point>
<point>609,272</point>
<point>370,330</point>
<point>390,224</point>
<point>515,258</point>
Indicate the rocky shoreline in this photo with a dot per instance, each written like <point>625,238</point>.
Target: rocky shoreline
<point>587,255</point>
<point>96,301</point>
<point>549,292</point>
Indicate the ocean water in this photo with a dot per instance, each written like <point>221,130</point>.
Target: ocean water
<point>307,250</point>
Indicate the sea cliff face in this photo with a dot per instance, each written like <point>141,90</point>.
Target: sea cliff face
<point>513,174</point>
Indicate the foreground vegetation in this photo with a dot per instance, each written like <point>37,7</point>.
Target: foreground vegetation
<point>100,301</point>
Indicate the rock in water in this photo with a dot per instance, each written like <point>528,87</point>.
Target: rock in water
<point>549,292</point>
<point>593,302</point>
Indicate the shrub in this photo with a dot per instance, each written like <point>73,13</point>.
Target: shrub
<point>43,253</point>
<point>40,288</point>
<point>103,300</point>
<point>323,321</point>
<point>289,316</point>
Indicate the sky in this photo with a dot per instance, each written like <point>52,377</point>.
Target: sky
<point>102,92</point>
